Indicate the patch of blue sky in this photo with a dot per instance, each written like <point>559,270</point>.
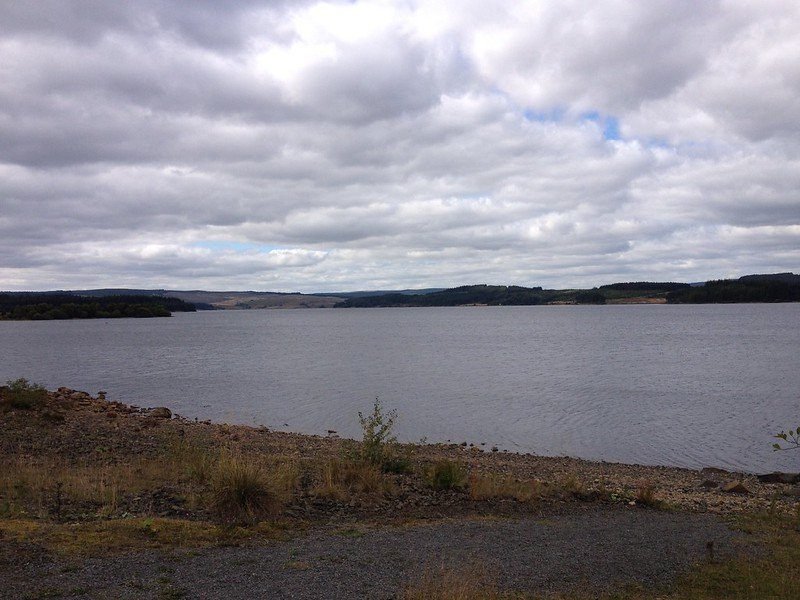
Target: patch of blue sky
<point>609,123</point>
<point>234,246</point>
<point>554,115</point>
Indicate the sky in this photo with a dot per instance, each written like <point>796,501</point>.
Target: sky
<point>330,146</point>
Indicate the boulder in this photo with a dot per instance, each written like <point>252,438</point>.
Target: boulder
<point>160,412</point>
<point>778,477</point>
<point>709,484</point>
<point>735,487</point>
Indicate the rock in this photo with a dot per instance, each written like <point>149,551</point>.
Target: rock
<point>160,412</point>
<point>735,487</point>
<point>778,477</point>
<point>715,471</point>
<point>708,484</point>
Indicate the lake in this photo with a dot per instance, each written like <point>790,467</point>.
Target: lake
<point>687,385</point>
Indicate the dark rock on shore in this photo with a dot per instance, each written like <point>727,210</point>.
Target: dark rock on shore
<point>778,477</point>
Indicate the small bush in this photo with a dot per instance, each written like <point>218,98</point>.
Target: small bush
<point>447,475</point>
<point>377,433</point>
<point>240,492</point>
<point>23,395</point>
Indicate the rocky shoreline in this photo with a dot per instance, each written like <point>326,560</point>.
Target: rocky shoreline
<point>78,428</point>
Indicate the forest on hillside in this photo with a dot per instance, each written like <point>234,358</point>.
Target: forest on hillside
<point>49,306</point>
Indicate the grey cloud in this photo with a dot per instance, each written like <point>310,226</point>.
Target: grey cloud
<point>397,152</point>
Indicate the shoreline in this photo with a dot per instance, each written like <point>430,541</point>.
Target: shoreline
<point>73,424</point>
<point>105,499</point>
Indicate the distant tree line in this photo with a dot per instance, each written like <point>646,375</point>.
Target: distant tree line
<point>745,289</point>
<point>489,295</point>
<point>650,286</point>
<point>45,306</point>
<point>492,295</point>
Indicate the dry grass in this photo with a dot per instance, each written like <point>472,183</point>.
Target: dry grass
<point>244,492</point>
<point>197,478</point>
<point>491,487</point>
<point>343,480</point>
<point>468,583</point>
<point>45,487</point>
<point>646,496</point>
<point>447,475</point>
<point>123,535</point>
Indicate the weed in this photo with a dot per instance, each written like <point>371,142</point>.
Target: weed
<point>23,395</point>
<point>447,475</point>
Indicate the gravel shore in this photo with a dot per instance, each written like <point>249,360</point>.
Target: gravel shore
<point>587,524</point>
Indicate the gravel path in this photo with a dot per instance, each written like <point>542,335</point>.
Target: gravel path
<point>597,546</point>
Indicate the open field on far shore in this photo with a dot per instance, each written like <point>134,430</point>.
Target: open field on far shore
<point>85,481</point>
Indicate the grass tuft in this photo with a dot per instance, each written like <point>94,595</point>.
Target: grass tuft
<point>241,493</point>
<point>447,475</point>
<point>343,480</point>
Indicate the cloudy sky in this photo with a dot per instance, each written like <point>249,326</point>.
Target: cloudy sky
<point>319,146</point>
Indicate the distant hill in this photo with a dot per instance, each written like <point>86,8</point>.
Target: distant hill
<point>789,278</point>
<point>778,287</point>
<point>254,300</point>
<point>56,305</point>
<point>364,293</point>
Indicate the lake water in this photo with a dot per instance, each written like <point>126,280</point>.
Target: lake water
<point>654,384</point>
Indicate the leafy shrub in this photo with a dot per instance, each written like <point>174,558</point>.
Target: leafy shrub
<point>791,438</point>
<point>377,434</point>
<point>240,492</point>
<point>23,395</point>
<point>447,475</point>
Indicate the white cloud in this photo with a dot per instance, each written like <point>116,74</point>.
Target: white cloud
<point>395,144</point>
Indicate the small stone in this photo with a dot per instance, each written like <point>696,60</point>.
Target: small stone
<point>735,487</point>
<point>160,412</point>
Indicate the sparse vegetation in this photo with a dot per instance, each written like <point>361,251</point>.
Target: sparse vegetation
<point>492,487</point>
<point>646,496</point>
<point>21,394</point>
<point>447,475</point>
<point>343,480</point>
